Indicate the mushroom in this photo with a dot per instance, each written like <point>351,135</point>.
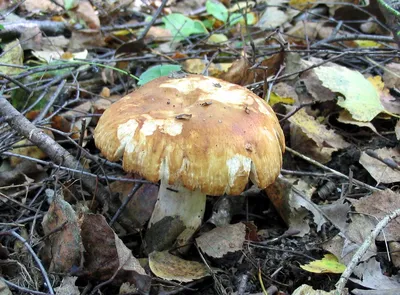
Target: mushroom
<point>198,136</point>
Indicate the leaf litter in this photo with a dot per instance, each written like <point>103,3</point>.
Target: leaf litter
<point>335,93</point>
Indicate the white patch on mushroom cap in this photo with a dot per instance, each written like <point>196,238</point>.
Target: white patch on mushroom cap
<point>238,166</point>
<point>125,134</point>
<point>148,128</point>
<point>169,126</point>
<point>222,92</point>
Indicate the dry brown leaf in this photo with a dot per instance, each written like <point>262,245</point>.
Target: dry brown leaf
<point>223,240</point>
<point>42,6</point>
<point>378,170</point>
<point>241,74</point>
<point>169,267</point>
<point>141,205</point>
<point>391,75</point>
<point>63,247</point>
<point>290,204</point>
<point>106,253</point>
<point>304,128</point>
<point>84,39</point>
<point>376,207</point>
<point>84,11</point>
<point>346,118</point>
<point>197,66</point>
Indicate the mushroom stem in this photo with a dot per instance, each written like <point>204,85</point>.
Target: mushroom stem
<point>177,201</point>
<point>178,213</point>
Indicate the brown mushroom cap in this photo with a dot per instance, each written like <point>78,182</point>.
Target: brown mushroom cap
<point>199,132</point>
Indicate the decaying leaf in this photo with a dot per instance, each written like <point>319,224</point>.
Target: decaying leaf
<point>372,277</point>
<point>106,254</point>
<point>222,240</point>
<point>169,267</point>
<point>68,287</point>
<point>141,205</point>
<point>391,76</point>
<point>308,290</point>
<point>293,202</point>
<point>390,103</point>
<point>198,66</point>
<point>376,206</point>
<point>63,247</point>
<point>381,172</point>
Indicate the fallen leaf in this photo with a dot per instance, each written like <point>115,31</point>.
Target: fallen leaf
<point>85,12</point>
<point>346,118</point>
<point>390,103</point>
<point>376,206</point>
<point>169,267</point>
<point>13,55</point>
<point>4,290</point>
<point>381,172</point>
<point>43,6</point>
<point>328,264</point>
<point>68,287</point>
<point>373,278</point>
<point>181,26</point>
<point>141,206</point>
<point>156,72</point>
<point>308,290</point>
<point>391,75</point>
<point>106,254</point>
<point>223,240</point>
<point>355,90</point>
<point>198,66</point>
<point>292,200</point>
<point>63,247</point>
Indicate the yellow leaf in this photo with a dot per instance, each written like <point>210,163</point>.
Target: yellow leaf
<point>275,98</point>
<point>328,264</point>
<point>367,44</point>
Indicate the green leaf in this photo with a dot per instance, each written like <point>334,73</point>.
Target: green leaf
<point>156,72</point>
<point>238,17</point>
<point>181,26</point>
<point>69,4</point>
<point>357,94</point>
<point>1,27</point>
<point>217,10</point>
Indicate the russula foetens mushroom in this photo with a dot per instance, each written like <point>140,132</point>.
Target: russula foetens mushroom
<point>198,136</point>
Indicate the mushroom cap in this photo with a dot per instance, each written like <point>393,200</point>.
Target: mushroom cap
<point>200,132</point>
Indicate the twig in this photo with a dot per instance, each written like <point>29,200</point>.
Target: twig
<point>295,110</point>
<point>22,86</point>
<point>57,154</point>
<point>50,103</point>
<point>359,183</point>
<point>85,173</point>
<point>37,260</point>
<point>153,20</point>
<point>340,285</point>
<point>125,202</point>
<point>387,161</point>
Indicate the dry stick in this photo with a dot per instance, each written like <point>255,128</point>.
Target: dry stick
<point>79,171</point>
<point>57,154</point>
<point>340,285</point>
<point>153,20</point>
<point>359,183</point>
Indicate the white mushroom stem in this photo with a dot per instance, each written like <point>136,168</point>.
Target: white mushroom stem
<point>178,202</point>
